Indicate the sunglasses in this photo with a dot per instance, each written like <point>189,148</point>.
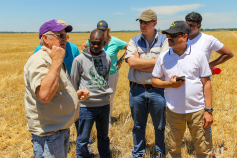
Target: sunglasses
<point>62,36</point>
<point>173,35</point>
<point>145,22</point>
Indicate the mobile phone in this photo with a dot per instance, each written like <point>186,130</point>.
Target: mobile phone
<point>181,78</point>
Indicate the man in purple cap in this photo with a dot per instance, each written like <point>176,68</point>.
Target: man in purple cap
<point>51,102</point>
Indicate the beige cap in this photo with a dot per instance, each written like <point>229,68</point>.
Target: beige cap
<point>62,22</point>
<point>148,15</point>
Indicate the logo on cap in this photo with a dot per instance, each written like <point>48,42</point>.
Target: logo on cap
<point>173,24</point>
<point>101,23</point>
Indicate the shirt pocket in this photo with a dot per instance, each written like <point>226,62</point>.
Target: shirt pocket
<point>155,52</point>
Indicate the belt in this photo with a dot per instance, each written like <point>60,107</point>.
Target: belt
<point>147,86</point>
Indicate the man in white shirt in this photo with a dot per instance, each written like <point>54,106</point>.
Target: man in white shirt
<point>189,100</point>
<point>206,43</point>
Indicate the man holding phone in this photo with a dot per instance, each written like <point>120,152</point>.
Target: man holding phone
<point>188,92</point>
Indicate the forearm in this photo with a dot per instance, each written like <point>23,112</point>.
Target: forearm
<point>123,57</point>
<point>156,82</point>
<point>220,60</point>
<point>226,54</point>
<point>49,84</point>
<point>150,69</point>
<point>208,94</point>
<point>84,46</point>
<point>140,63</point>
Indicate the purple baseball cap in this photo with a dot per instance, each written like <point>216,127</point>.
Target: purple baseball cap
<point>53,25</point>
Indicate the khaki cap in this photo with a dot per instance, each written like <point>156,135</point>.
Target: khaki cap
<point>148,15</point>
<point>62,22</point>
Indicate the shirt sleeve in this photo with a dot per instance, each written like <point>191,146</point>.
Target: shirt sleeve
<point>205,70</point>
<point>75,76</point>
<point>121,44</point>
<point>36,72</point>
<point>158,70</point>
<point>216,44</point>
<point>130,50</point>
<point>37,49</point>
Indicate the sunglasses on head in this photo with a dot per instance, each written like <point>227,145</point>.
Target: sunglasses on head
<point>173,35</point>
<point>145,22</point>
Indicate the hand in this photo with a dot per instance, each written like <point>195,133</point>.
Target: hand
<point>83,94</point>
<point>211,66</point>
<point>136,54</point>
<point>56,54</point>
<point>174,83</point>
<point>118,65</point>
<point>207,119</point>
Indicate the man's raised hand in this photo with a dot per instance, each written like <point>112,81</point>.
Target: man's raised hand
<point>56,54</point>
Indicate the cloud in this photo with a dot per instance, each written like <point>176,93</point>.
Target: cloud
<point>83,27</point>
<point>170,10</point>
<point>219,20</point>
<point>119,13</point>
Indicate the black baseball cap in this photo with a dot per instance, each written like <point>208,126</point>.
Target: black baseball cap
<point>176,27</point>
<point>102,25</point>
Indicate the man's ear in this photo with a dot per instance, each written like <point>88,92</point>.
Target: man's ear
<point>199,26</point>
<point>185,36</point>
<point>155,23</point>
<point>45,39</point>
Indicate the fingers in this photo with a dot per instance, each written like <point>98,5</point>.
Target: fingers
<point>207,124</point>
<point>207,120</point>
<point>83,94</point>
<point>136,54</point>
<point>178,84</point>
<point>174,76</point>
<point>47,50</point>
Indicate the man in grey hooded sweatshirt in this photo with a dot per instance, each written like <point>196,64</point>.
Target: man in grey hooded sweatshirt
<point>90,70</point>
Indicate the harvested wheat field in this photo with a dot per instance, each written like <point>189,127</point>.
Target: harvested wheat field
<point>15,140</point>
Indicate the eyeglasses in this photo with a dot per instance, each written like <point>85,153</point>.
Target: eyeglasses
<point>173,35</point>
<point>62,36</point>
<point>146,22</point>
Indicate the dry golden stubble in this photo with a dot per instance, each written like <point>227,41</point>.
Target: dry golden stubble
<point>16,140</point>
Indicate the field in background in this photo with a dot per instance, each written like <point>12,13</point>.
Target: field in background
<point>15,140</point>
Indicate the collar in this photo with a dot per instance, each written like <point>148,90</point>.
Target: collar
<point>187,51</point>
<point>156,36</point>
<point>89,51</point>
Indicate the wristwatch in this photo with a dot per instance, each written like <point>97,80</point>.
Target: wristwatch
<point>121,59</point>
<point>209,110</point>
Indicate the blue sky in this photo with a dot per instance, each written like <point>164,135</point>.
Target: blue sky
<point>29,15</point>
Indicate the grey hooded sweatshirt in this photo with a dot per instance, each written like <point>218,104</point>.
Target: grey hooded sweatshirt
<point>91,72</point>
